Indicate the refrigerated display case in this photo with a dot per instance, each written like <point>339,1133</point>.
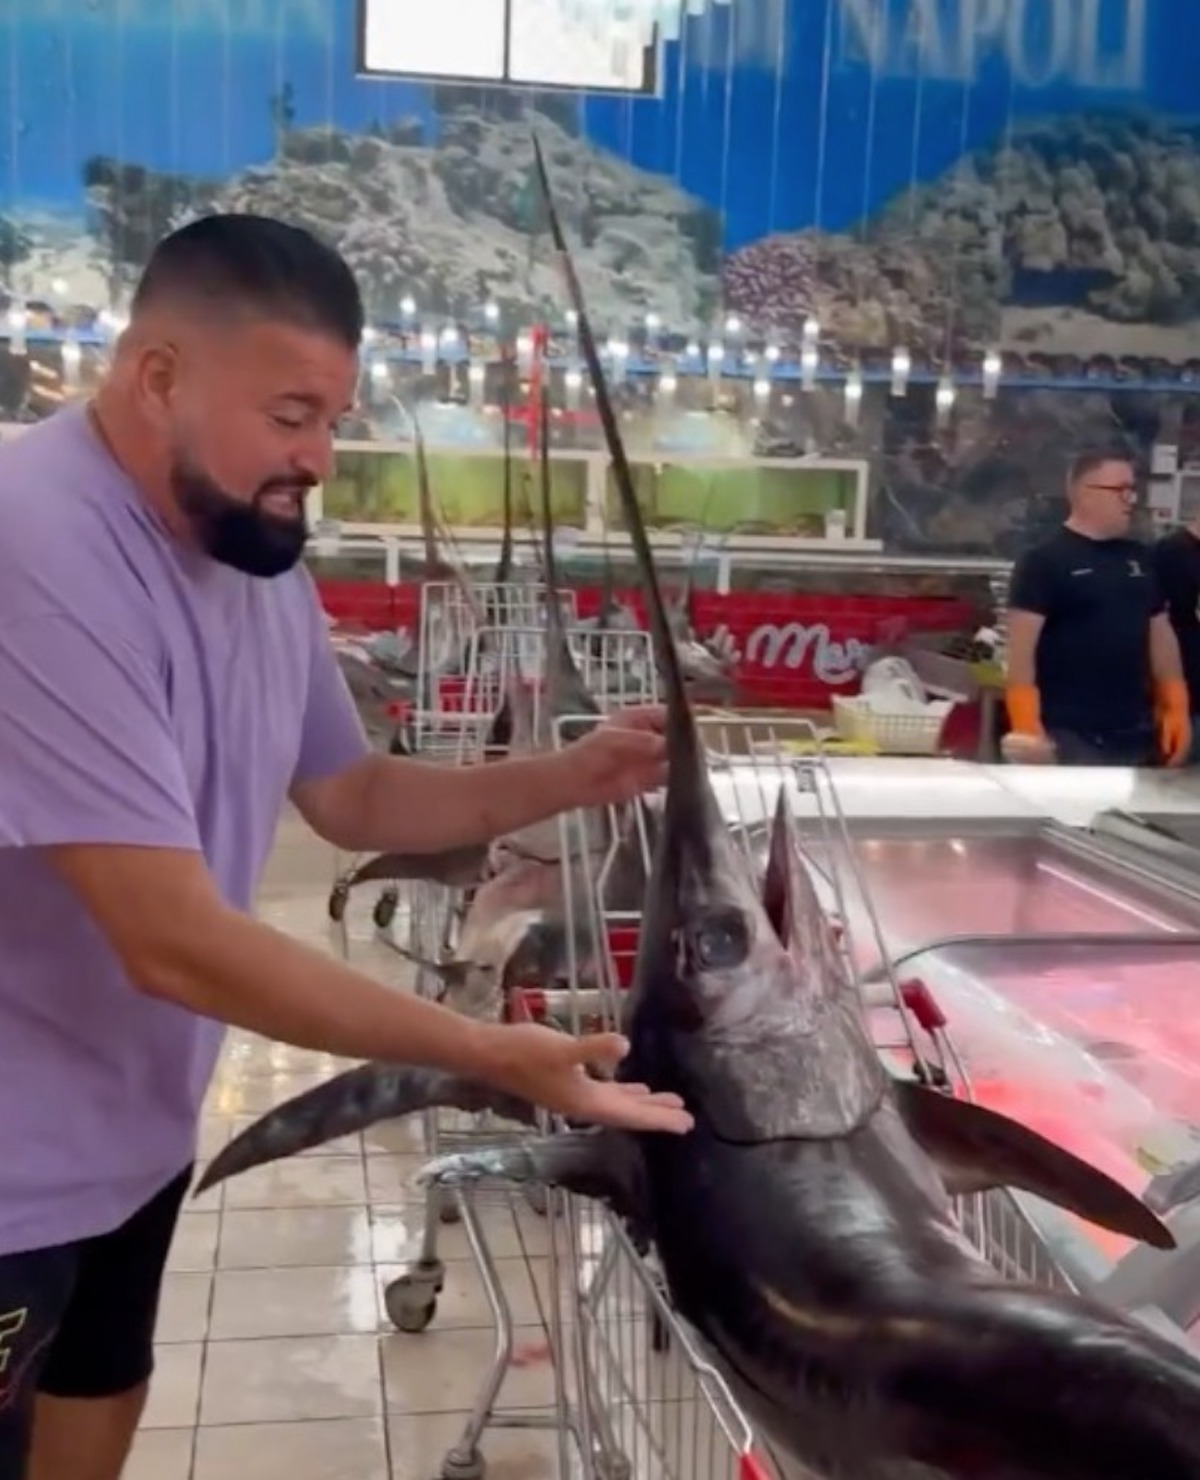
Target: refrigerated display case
<point>1094,1042</point>
<point>938,879</point>
<point>1167,842</point>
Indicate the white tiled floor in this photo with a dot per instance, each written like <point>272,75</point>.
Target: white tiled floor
<point>276,1360</point>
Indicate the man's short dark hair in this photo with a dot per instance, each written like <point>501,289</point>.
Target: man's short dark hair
<point>255,265</point>
<point>1084,463</point>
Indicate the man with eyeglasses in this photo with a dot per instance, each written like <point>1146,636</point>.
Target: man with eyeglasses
<point>1094,670</point>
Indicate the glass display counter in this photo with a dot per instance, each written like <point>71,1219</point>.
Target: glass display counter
<point>931,880</point>
<point>1095,1044</point>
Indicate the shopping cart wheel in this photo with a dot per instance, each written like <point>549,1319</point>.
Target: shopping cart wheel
<point>411,1300</point>
<point>337,901</point>
<point>463,1467</point>
<point>385,908</point>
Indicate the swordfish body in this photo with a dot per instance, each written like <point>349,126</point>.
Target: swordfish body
<point>805,1227</point>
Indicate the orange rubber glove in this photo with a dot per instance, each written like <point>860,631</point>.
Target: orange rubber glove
<point>1024,705</point>
<point>1172,714</point>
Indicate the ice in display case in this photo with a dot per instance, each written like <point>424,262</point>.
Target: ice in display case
<point>1096,1044</point>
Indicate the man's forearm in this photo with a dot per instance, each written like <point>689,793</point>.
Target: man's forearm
<point>1165,661</point>
<point>245,973</point>
<point>425,808</point>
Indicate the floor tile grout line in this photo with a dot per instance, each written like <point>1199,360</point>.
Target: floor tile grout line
<point>203,1365</point>
<point>383,1404</point>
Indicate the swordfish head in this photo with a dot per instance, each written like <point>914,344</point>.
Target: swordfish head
<point>762,1038</point>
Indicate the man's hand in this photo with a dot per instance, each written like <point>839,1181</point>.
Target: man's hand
<point>1173,721</point>
<point>620,759</point>
<point>549,1068</point>
<point>1028,750</point>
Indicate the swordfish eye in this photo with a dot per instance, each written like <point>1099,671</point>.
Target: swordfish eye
<point>720,941</point>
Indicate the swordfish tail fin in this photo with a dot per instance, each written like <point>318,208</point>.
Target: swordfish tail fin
<point>348,1103</point>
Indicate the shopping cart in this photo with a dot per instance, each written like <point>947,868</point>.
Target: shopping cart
<point>633,1393</point>
<point>617,669</point>
<point>453,656</point>
<point>441,720</point>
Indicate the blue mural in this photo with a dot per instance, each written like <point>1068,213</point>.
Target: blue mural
<point>950,175</point>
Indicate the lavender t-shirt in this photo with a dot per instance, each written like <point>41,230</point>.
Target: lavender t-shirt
<point>148,696</point>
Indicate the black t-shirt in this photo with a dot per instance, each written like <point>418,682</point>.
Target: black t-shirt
<point>1177,566</point>
<point>1093,655</point>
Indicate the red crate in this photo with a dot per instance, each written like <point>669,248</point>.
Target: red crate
<point>623,947</point>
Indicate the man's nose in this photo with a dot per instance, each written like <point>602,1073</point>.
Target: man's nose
<point>316,458</point>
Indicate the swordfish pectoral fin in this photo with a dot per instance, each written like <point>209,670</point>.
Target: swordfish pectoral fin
<point>977,1149</point>
<point>349,1103</point>
<point>604,1165</point>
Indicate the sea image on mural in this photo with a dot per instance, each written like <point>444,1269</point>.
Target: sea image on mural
<point>1076,237</point>
<point>1020,175</point>
<point>869,164</point>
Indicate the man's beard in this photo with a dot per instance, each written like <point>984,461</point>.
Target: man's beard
<point>242,534</point>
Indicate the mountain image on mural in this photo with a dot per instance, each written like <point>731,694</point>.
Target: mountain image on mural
<point>1077,234</point>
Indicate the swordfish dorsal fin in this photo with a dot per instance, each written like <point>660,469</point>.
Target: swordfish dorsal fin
<point>792,906</point>
<point>777,879</point>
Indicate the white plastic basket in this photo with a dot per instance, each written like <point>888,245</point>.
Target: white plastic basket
<point>891,734</point>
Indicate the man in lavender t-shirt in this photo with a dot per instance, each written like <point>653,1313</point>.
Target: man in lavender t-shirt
<point>165,683</point>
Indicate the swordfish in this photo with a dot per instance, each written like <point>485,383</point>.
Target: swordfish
<point>805,1227</point>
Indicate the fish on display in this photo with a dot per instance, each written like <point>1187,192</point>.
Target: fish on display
<point>526,926</point>
<point>613,633</point>
<point>805,1226</point>
<point>708,671</point>
<point>373,683</point>
<point>375,678</point>
<point>498,606</point>
<point>523,925</point>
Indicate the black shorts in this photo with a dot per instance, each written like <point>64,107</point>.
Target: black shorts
<point>77,1321</point>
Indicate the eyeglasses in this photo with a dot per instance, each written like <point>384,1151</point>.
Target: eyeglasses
<point>1129,490</point>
